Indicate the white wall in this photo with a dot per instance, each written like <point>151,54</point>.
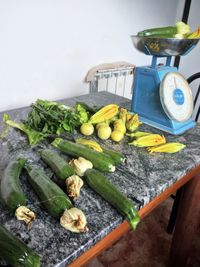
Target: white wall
<point>47,46</point>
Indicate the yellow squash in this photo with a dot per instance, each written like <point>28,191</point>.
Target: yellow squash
<point>104,114</point>
<point>89,143</point>
<point>166,148</point>
<point>133,123</point>
<point>148,140</point>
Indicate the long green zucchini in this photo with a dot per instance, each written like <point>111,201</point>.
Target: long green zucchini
<point>55,200</point>
<point>179,30</point>
<point>15,252</point>
<point>99,160</point>
<point>11,192</point>
<point>50,194</point>
<point>59,166</point>
<point>98,182</point>
<point>169,31</point>
<point>117,157</point>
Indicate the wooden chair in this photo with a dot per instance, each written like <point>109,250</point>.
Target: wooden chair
<point>194,78</point>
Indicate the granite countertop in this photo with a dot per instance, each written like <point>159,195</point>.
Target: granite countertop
<point>141,178</point>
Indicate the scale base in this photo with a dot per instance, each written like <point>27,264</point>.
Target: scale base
<point>175,128</point>
<point>146,100</point>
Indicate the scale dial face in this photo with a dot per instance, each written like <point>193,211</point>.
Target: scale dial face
<point>176,97</point>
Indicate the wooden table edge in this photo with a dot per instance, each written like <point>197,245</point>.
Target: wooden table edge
<point>124,227</point>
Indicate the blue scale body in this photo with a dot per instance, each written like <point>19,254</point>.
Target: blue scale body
<point>146,99</point>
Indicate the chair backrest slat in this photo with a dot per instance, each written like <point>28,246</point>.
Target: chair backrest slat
<point>197,95</point>
<point>197,114</point>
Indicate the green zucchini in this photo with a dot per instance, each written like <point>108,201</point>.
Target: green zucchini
<point>98,182</point>
<point>117,157</point>
<point>169,31</point>
<point>180,30</point>
<point>50,194</point>
<point>15,252</point>
<point>165,35</point>
<point>11,192</point>
<point>59,166</point>
<point>55,200</point>
<point>99,160</point>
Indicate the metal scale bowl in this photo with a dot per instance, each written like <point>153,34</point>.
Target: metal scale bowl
<point>161,96</point>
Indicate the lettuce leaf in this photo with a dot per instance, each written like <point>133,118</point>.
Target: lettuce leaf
<point>33,136</point>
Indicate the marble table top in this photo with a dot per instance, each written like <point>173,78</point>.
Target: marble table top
<point>141,178</point>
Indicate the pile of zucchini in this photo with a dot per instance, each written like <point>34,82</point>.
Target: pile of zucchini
<point>104,162</point>
<point>56,201</point>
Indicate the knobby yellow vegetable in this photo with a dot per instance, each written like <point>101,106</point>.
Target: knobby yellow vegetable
<point>98,125</point>
<point>104,132</point>
<point>149,140</point>
<point>117,136</point>
<point>104,114</point>
<point>119,125</point>
<point>167,148</point>
<point>87,129</point>
<point>133,123</point>
<point>89,143</point>
<point>123,114</point>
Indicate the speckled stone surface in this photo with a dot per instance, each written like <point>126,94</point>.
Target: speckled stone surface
<point>141,178</point>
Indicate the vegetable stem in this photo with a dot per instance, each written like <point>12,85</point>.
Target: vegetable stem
<point>133,220</point>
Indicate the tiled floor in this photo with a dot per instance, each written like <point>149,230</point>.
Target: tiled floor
<point>148,246</point>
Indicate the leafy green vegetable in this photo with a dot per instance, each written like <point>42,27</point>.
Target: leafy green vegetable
<point>48,117</point>
<point>54,118</point>
<point>5,128</point>
<point>83,114</point>
<point>33,136</point>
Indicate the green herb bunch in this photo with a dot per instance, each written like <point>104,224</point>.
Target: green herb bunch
<point>47,117</point>
<point>51,117</point>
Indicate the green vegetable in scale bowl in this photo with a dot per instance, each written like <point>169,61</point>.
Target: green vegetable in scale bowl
<point>180,30</point>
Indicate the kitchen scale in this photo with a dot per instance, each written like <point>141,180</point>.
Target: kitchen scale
<point>161,96</point>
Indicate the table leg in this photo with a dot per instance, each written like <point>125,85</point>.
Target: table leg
<point>188,219</point>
